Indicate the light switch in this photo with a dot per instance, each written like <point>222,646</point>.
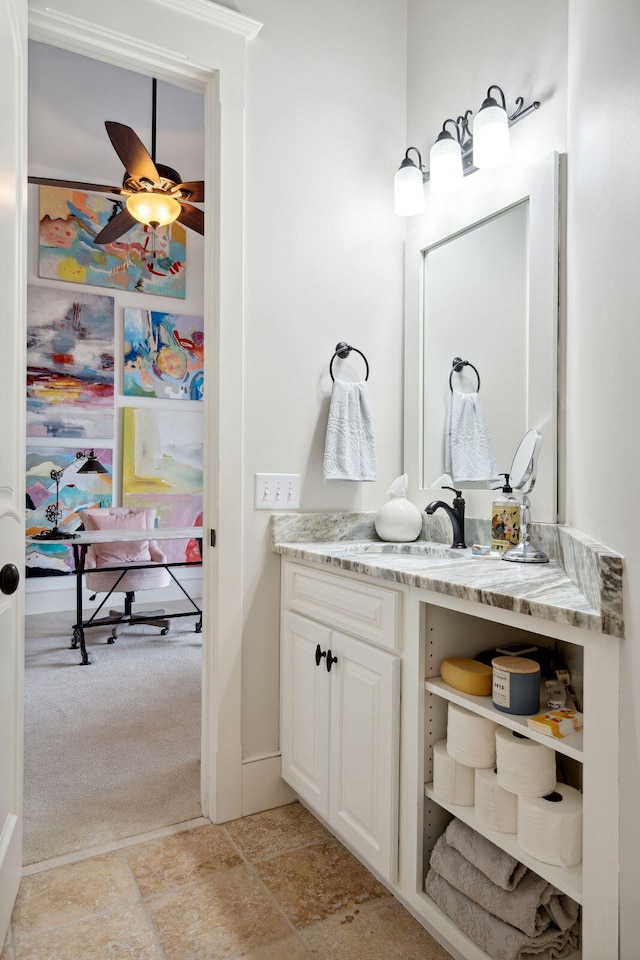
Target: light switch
<point>277,491</point>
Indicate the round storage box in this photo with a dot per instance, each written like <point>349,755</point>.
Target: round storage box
<point>516,685</point>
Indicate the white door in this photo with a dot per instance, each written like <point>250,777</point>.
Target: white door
<point>365,750</point>
<point>13,51</point>
<point>304,724</point>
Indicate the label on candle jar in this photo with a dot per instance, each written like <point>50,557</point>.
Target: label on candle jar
<point>501,695</point>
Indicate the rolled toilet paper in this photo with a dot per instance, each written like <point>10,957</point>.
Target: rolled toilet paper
<point>496,808</point>
<point>471,739</point>
<point>453,782</point>
<point>550,828</point>
<point>525,766</point>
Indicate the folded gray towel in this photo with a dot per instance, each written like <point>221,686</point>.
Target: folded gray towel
<point>531,907</point>
<point>497,938</point>
<point>501,868</point>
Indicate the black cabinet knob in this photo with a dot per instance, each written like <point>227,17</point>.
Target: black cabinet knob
<point>9,578</point>
<point>330,660</point>
<point>319,655</point>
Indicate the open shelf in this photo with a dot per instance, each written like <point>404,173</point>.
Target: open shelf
<point>568,880</point>
<point>570,746</point>
<point>458,940</point>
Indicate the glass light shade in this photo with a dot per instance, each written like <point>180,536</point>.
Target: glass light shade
<point>154,209</point>
<point>408,190</point>
<point>445,165</point>
<point>491,142</point>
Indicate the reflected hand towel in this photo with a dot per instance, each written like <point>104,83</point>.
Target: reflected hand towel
<point>468,445</point>
<point>349,451</point>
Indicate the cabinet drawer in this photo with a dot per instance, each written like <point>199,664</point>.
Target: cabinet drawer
<point>361,609</point>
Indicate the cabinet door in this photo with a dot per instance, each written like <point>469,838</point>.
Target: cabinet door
<point>365,748</point>
<point>304,719</point>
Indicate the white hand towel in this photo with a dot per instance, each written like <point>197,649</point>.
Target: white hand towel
<point>468,445</point>
<point>349,451</point>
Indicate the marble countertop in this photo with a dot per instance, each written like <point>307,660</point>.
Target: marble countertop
<point>544,590</point>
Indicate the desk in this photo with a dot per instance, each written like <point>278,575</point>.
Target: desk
<point>84,539</point>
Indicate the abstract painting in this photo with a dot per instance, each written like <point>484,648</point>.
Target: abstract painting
<point>142,259</point>
<point>162,468</point>
<point>163,355</point>
<point>69,364</point>
<point>78,491</point>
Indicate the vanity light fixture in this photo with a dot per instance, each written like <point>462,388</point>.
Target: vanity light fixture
<point>445,158</point>
<point>408,186</point>
<point>485,143</point>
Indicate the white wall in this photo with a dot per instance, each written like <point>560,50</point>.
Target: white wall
<point>70,97</point>
<point>603,344</point>
<point>325,127</point>
<point>457,48</point>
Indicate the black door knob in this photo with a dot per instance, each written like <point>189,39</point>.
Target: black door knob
<point>330,660</point>
<point>319,655</point>
<point>9,578</point>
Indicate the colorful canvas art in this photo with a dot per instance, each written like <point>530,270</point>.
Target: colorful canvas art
<point>163,355</point>
<point>69,364</point>
<point>162,468</point>
<point>142,259</point>
<point>78,491</point>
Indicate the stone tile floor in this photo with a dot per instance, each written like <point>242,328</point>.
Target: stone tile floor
<point>272,886</point>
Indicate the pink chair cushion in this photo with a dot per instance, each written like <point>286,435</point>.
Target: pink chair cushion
<point>132,551</point>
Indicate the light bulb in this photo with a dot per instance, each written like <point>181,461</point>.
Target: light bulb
<point>445,165</point>
<point>491,142</point>
<point>154,209</point>
<point>408,190</point>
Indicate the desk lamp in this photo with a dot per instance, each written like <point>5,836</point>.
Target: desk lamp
<point>53,513</point>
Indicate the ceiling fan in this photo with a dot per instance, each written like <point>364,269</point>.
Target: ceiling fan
<point>154,193</point>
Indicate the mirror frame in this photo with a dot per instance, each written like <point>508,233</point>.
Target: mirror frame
<point>484,195</point>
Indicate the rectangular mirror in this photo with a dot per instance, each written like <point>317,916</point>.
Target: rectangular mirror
<point>482,287</point>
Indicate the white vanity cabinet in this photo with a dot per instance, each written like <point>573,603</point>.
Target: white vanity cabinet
<point>340,737</point>
<point>358,749</point>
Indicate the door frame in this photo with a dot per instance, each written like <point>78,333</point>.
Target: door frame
<point>199,45</point>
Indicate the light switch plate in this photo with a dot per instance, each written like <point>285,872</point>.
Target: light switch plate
<point>277,491</point>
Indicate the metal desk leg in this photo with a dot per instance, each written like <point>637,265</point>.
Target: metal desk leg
<point>79,554</point>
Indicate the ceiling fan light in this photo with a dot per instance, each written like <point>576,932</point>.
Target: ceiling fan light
<point>154,209</point>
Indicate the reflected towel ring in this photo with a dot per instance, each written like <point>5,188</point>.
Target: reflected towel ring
<point>457,364</point>
<point>343,350</point>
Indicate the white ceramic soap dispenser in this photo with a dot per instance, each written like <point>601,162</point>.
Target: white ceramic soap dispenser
<point>398,519</point>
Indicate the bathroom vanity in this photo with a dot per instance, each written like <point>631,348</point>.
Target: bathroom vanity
<point>365,626</point>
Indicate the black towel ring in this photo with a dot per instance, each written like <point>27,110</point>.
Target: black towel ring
<point>343,350</point>
<point>456,366</point>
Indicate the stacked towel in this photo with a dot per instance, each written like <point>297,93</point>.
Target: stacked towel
<point>349,452</point>
<point>468,453</point>
<point>509,911</point>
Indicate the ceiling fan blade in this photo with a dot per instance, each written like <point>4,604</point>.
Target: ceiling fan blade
<point>75,185</point>
<point>191,217</point>
<point>196,190</point>
<point>132,152</point>
<point>122,222</point>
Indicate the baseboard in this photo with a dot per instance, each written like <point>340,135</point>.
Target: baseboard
<point>262,786</point>
<point>58,594</point>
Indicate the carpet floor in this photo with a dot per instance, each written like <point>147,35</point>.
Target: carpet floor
<point>112,750</point>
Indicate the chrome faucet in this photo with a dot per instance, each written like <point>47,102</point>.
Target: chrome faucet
<point>455,514</point>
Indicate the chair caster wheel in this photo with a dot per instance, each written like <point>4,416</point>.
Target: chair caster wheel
<point>198,628</point>
<point>164,631</point>
<point>111,640</point>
